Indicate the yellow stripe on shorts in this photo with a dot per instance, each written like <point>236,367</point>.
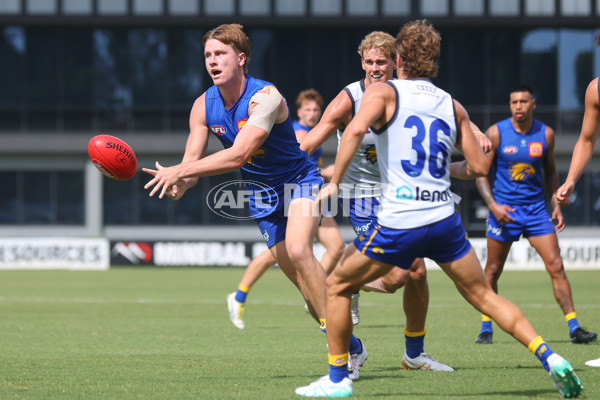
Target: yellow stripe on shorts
<point>370,239</point>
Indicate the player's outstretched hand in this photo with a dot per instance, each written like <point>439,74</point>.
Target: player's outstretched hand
<point>166,179</point>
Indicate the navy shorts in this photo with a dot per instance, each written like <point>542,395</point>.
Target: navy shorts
<point>530,220</point>
<point>443,241</point>
<point>362,213</point>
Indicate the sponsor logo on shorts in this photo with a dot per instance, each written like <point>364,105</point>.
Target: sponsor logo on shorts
<point>362,228</point>
<point>265,235</point>
<point>377,250</point>
<point>494,230</point>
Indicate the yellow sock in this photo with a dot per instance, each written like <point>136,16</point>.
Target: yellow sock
<point>485,318</point>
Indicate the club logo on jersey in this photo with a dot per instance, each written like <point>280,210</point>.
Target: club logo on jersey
<point>509,150</point>
<point>536,149</point>
<point>240,124</point>
<point>217,130</point>
<point>371,154</point>
<point>520,171</point>
<point>258,154</point>
<point>377,250</point>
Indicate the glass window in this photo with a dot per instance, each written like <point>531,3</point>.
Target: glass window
<point>41,6</point>
<point>112,92</point>
<point>434,7</point>
<point>361,7</point>
<point>575,7</point>
<point>395,7</point>
<point>36,198</point>
<point>290,7</point>
<point>593,198</point>
<point>184,7</point>
<point>326,7</point>
<point>77,69</point>
<point>77,6</point>
<point>504,7</point>
<point>575,212</point>
<point>118,199</point>
<point>12,53</point>
<point>70,194</point>
<point>539,8</point>
<point>118,7</point>
<point>187,78</point>
<point>148,7</point>
<point>255,7</point>
<point>10,7</point>
<point>8,198</point>
<point>539,65</point>
<point>219,7</point>
<point>468,7</point>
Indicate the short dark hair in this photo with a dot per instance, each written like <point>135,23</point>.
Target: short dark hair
<point>598,39</point>
<point>521,87</point>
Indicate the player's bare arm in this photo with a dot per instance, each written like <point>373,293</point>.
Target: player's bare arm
<point>336,116</point>
<point>484,142</point>
<point>475,163</point>
<point>582,153</point>
<point>264,111</point>
<point>551,180</point>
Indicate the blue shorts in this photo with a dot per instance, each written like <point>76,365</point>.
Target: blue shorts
<point>362,213</point>
<point>530,220</point>
<point>443,241</point>
<point>273,226</point>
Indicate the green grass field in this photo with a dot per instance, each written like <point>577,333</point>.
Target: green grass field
<point>149,333</point>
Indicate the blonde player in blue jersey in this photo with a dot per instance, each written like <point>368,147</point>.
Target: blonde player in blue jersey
<point>582,153</point>
<point>417,125</point>
<point>251,119</point>
<point>308,104</point>
<point>522,160</point>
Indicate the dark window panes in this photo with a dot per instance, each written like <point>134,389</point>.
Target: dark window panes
<point>42,79</point>
<point>8,198</point>
<point>331,50</point>
<point>504,55</point>
<point>80,120</point>
<point>575,212</point>
<point>112,92</point>
<point>70,195</point>
<point>42,119</point>
<point>119,198</point>
<point>187,78</point>
<point>153,211</point>
<point>148,67</point>
<point>37,202</point>
<point>594,198</point>
<point>191,209</point>
<point>539,64</point>
<point>10,120</point>
<point>291,44</point>
<point>179,121</point>
<point>465,49</point>
<point>149,120</point>
<point>12,54</point>
<point>77,67</point>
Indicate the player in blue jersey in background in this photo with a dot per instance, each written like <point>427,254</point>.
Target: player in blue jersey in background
<point>416,125</point>
<point>582,153</point>
<point>251,119</point>
<point>308,104</point>
<point>522,160</point>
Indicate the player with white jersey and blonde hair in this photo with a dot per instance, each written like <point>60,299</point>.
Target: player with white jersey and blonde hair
<point>417,125</point>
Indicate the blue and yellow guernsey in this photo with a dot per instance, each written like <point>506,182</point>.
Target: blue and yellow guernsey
<point>278,161</point>
<point>518,164</point>
<point>317,155</point>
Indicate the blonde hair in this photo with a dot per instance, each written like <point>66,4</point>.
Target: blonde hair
<point>418,44</point>
<point>232,35</point>
<point>378,40</point>
<point>309,94</point>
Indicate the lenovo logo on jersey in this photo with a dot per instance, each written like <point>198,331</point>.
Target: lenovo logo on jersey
<point>217,130</point>
<point>509,149</point>
<point>425,88</point>
<point>419,194</point>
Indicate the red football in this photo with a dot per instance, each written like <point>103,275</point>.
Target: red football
<point>113,157</point>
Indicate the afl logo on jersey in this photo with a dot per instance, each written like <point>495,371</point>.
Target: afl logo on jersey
<point>536,149</point>
<point>510,150</point>
<point>241,123</point>
<point>217,130</point>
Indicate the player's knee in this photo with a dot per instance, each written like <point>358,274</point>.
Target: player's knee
<point>556,267</point>
<point>298,252</point>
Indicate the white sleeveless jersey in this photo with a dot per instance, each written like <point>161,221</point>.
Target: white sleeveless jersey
<point>414,151</point>
<point>362,178</point>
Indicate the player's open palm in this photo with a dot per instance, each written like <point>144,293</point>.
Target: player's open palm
<point>501,213</point>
